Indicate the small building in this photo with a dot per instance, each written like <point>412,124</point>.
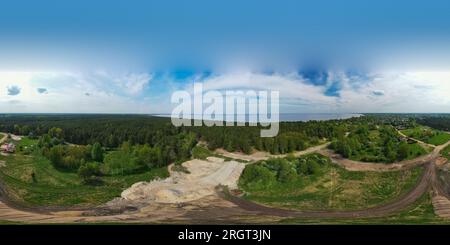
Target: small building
<point>8,148</point>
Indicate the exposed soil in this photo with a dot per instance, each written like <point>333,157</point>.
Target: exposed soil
<point>261,155</point>
<point>193,198</point>
<point>352,165</point>
<point>384,210</point>
<point>200,181</point>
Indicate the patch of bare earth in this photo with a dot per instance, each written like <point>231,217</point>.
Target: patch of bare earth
<point>261,155</point>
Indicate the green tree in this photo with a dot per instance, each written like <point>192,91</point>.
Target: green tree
<point>286,172</point>
<point>390,153</point>
<point>403,151</point>
<point>255,174</point>
<point>56,133</point>
<point>97,152</point>
<point>56,155</point>
<point>88,172</point>
<point>313,167</point>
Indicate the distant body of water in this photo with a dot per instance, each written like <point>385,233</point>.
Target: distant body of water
<point>300,117</point>
<point>304,117</point>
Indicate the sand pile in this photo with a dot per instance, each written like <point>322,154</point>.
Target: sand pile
<point>180,187</point>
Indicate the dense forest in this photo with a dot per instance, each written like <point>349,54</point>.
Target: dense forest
<point>438,122</point>
<point>94,145</point>
<point>111,131</point>
<point>293,136</point>
<point>153,141</point>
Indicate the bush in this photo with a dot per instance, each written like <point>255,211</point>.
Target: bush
<point>97,152</point>
<point>89,172</point>
<point>55,155</point>
<point>200,152</point>
<point>286,173</point>
<point>67,157</point>
<point>255,174</point>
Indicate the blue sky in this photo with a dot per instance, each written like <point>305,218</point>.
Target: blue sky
<point>129,56</point>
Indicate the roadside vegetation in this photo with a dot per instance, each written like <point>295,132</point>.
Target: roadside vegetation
<point>446,152</point>
<point>427,135</point>
<point>312,182</point>
<point>375,143</point>
<point>32,179</point>
<point>82,160</point>
<point>421,212</point>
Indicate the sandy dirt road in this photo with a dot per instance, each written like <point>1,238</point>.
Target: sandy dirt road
<point>428,181</point>
<point>397,205</point>
<point>348,164</point>
<point>416,140</point>
<point>220,208</point>
<point>260,155</point>
<point>181,198</point>
<point>352,165</point>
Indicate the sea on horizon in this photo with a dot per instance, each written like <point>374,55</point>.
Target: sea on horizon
<point>295,117</point>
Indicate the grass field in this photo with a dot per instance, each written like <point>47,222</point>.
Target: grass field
<point>415,150</point>
<point>428,135</point>
<point>335,188</point>
<point>33,181</point>
<point>446,152</point>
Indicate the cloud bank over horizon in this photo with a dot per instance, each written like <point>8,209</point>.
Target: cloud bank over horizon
<point>310,91</point>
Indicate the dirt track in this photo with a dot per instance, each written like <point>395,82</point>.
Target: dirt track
<point>352,165</point>
<point>404,201</point>
<point>260,155</point>
<point>441,201</point>
<point>416,140</point>
<point>221,207</point>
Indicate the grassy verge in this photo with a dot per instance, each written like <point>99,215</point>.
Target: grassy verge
<point>428,135</point>
<point>333,188</point>
<point>420,212</point>
<point>7,222</point>
<point>446,152</point>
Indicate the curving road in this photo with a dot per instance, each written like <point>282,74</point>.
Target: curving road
<point>352,165</point>
<point>428,181</point>
<point>397,205</point>
<point>225,207</point>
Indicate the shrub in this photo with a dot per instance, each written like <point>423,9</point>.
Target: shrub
<point>89,172</point>
<point>255,174</point>
<point>286,173</point>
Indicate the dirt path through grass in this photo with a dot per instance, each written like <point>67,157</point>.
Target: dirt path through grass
<point>380,211</point>
<point>220,208</point>
<point>223,208</point>
<point>424,144</point>
<point>353,165</point>
<point>261,155</point>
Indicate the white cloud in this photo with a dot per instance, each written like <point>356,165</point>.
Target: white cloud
<point>427,91</point>
<point>66,92</point>
<point>13,90</point>
<point>292,88</point>
<point>374,92</point>
<point>134,83</point>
